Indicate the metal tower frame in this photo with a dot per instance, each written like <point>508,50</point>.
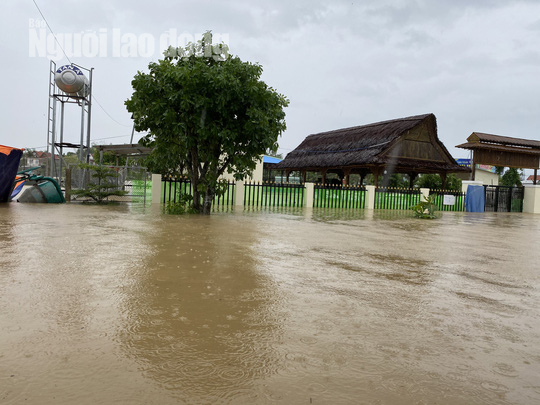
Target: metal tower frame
<point>85,103</point>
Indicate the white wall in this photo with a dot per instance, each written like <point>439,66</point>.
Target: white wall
<point>256,176</point>
<point>488,178</point>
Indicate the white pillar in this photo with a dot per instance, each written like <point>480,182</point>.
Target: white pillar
<point>310,189</point>
<point>425,194</point>
<point>531,198</point>
<point>156,188</point>
<point>370,197</point>
<point>239,194</point>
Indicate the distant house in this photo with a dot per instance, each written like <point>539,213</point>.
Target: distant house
<point>406,145</point>
<point>37,159</point>
<point>532,180</point>
<point>484,173</point>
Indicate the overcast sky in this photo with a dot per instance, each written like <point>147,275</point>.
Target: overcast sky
<point>474,64</point>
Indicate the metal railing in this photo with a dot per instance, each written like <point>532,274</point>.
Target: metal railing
<point>396,198</point>
<point>338,196</point>
<point>503,199</point>
<point>264,194</point>
<point>174,187</point>
<point>448,200</point>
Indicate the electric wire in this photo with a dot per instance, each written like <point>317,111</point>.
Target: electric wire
<point>52,32</point>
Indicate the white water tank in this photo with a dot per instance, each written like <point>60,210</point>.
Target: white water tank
<point>71,80</point>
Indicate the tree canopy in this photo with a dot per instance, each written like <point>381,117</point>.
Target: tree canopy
<point>512,177</point>
<point>206,112</point>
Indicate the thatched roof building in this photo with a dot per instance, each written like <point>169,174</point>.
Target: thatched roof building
<point>406,145</point>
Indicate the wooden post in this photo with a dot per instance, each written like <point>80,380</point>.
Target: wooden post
<point>347,173</point>
<point>473,167</point>
<point>412,177</point>
<point>376,173</point>
<point>443,177</point>
<point>534,178</point>
<point>323,175</point>
<point>68,185</point>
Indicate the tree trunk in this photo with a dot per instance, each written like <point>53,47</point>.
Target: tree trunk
<point>208,198</point>
<point>194,169</point>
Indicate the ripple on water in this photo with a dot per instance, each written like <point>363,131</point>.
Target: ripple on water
<point>309,340</point>
<point>493,386</point>
<point>232,373</point>
<point>505,369</point>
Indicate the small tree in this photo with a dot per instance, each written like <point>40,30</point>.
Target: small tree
<point>103,186</point>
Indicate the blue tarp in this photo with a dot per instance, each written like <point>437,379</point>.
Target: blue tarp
<point>475,199</point>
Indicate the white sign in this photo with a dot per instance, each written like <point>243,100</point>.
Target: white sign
<point>449,199</point>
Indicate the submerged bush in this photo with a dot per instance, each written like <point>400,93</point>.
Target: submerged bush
<point>182,206</point>
<point>425,209</point>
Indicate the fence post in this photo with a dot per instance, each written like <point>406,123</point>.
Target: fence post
<point>239,194</point>
<point>68,184</point>
<point>156,188</point>
<point>310,190</point>
<point>424,192</point>
<point>370,197</point>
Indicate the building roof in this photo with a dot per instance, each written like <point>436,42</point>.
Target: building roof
<point>271,159</point>
<point>480,137</point>
<point>127,149</point>
<point>503,150</point>
<point>409,143</point>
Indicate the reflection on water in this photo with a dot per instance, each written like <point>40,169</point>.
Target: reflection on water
<point>201,320</point>
<point>122,304</point>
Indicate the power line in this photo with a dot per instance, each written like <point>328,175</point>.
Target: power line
<point>105,111</point>
<point>50,29</point>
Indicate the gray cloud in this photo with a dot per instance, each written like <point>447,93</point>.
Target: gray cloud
<point>474,64</point>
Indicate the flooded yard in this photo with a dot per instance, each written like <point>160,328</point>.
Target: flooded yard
<point>125,305</point>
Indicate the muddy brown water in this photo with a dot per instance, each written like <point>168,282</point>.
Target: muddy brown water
<point>125,305</point>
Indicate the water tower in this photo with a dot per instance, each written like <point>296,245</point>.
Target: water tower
<point>68,84</point>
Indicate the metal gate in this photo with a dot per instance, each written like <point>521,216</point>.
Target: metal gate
<point>503,199</point>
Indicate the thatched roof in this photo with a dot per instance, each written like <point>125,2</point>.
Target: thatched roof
<point>409,143</point>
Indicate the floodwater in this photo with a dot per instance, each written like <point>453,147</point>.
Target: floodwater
<point>125,305</point>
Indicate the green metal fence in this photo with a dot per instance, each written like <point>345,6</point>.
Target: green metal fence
<point>448,200</point>
<point>338,196</point>
<point>265,194</point>
<point>174,187</point>
<point>396,198</point>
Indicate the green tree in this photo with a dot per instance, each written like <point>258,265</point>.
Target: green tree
<point>434,182</point>
<point>512,177</point>
<point>206,112</point>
